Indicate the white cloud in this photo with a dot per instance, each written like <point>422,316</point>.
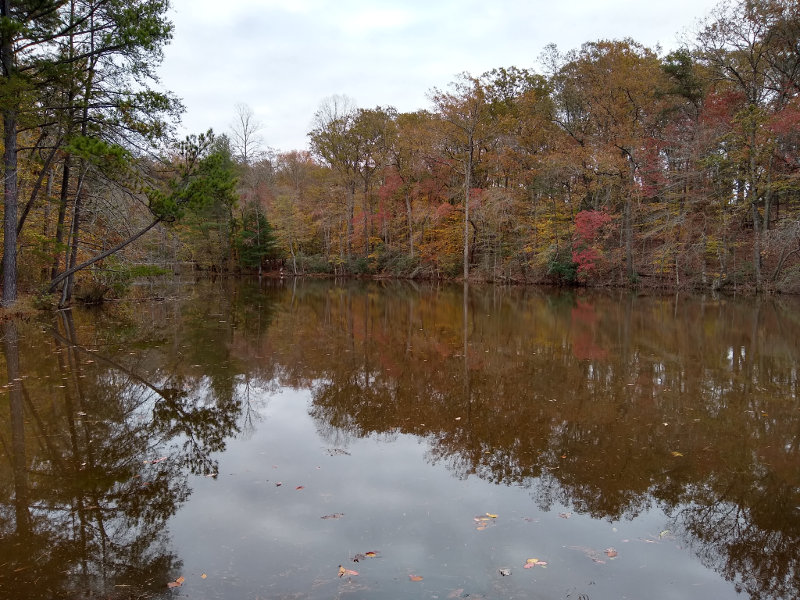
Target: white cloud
<point>282,57</point>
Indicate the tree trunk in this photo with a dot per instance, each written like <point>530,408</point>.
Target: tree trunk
<point>10,198</point>
<point>630,268</point>
<point>66,292</point>
<point>9,205</point>
<point>410,226</point>
<point>757,226</point>
<point>627,224</point>
<point>467,186</point>
<point>365,208</point>
<point>72,251</point>
<point>59,278</point>
<point>351,200</point>
<point>44,172</point>
<point>62,213</point>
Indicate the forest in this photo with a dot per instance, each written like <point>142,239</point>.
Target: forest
<point>613,164</point>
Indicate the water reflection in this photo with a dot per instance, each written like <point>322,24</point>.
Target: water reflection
<point>104,421</point>
<point>607,404</point>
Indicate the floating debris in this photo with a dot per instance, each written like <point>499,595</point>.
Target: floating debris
<point>337,452</point>
<point>534,562</point>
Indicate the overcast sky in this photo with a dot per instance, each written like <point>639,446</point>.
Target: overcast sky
<point>284,57</point>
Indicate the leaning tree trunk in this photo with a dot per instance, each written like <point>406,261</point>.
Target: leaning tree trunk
<point>59,278</point>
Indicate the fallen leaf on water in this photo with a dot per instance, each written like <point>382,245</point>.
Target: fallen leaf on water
<point>534,562</point>
<point>485,518</point>
<point>483,521</point>
<point>333,516</point>
<point>565,515</point>
<point>611,552</point>
<point>415,577</point>
<point>177,583</point>
<point>300,487</point>
<point>505,572</point>
<point>203,576</point>
<point>364,556</point>
<point>278,484</point>
<point>663,533</point>
<point>343,571</point>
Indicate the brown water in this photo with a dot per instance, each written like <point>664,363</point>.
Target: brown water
<point>251,439</point>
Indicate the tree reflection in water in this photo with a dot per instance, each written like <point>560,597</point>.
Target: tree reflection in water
<point>608,404</point>
<point>99,441</point>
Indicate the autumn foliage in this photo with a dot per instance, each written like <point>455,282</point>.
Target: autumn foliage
<point>585,253</point>
<point>619,166</point>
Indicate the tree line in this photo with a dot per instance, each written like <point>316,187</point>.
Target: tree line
<point>613,165</point>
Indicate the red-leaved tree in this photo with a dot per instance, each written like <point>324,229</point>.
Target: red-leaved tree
<point>585,254</point>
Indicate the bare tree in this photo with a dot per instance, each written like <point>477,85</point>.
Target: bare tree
<point>245,139</point>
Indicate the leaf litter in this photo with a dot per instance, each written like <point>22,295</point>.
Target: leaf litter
<point>365,555</point>
<point>483,521</point>
<point>534,562</point>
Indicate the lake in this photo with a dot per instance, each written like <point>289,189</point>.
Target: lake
<point>317,440</point>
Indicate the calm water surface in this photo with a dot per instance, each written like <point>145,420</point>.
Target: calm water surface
<point>246,441</point>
